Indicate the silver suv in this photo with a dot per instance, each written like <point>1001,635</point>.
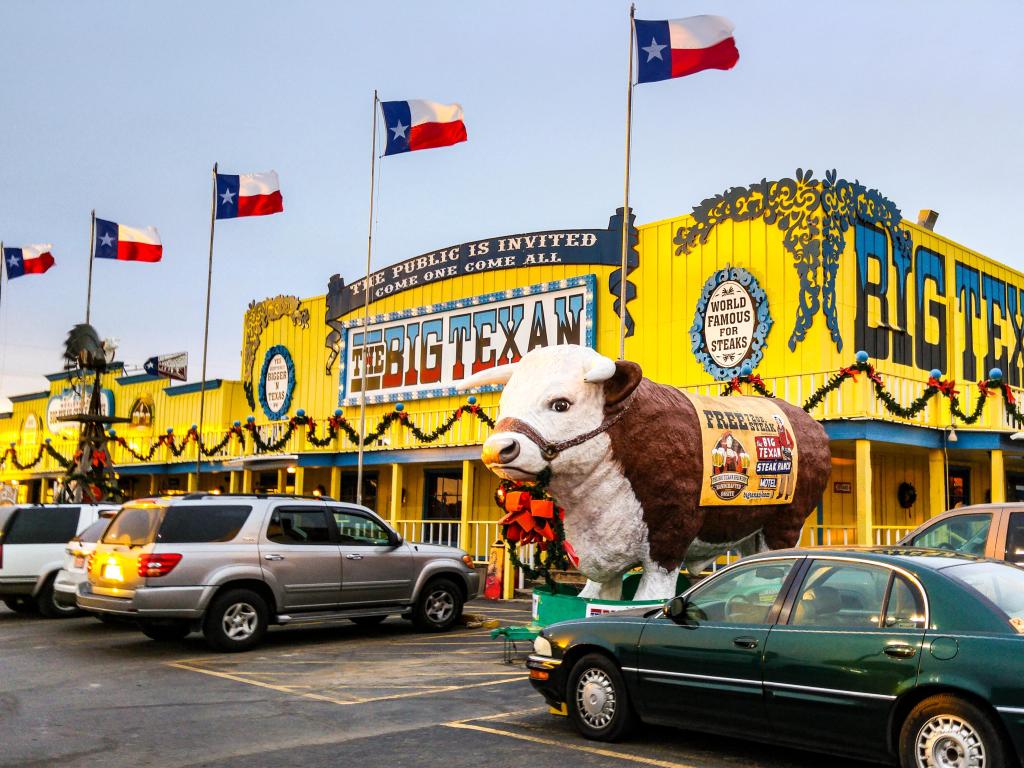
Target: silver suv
<point>230,565</point>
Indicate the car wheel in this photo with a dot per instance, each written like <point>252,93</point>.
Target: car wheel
<point>367,621</point>
<point>597,700</point>
<point>948,732</point>
<point>20,604</point>
<point>235,621</point>
<point>46,602</point>
<point>438,607</point>
<point>165,631</point>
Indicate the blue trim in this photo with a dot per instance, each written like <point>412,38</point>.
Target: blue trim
<point>274,351</point>
<point>417,456</point>
<point>588,282</point>
<point>921,437</point>
<point>195,386</point>
<point>30,396</point>
<point>137,379</point>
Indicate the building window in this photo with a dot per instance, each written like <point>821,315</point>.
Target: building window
<point>141,413</point>
<point>443,497</point>
<point>348,488</point>
<point>959,492</point>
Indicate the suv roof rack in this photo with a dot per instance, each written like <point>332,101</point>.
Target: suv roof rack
<point>205,495</point>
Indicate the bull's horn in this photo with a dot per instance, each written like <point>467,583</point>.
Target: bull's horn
<point>499,374</point>
<point>601,369</point>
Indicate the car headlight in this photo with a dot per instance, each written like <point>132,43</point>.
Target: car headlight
<point>542,646</point>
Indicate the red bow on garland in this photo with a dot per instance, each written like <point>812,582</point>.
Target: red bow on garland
<point>948,387</point>
<point>1009,394</point>
<point>734,385</point>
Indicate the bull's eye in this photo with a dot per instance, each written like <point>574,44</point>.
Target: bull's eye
<point>561,405</point>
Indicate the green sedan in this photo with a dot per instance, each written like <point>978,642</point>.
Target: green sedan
<point>883,654</point>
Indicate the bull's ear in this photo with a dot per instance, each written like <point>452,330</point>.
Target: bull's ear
<point>627,378</point>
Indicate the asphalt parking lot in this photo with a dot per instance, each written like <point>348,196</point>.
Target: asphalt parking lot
<point>80,693</point>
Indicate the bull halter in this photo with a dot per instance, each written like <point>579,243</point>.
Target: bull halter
<point>549,450</point>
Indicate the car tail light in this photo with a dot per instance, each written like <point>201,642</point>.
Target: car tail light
<point>157,565</point>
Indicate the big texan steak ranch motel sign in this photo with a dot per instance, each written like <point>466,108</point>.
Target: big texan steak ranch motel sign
<point>426,352</point>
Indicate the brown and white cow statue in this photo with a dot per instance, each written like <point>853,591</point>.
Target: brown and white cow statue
<point>626,464</point>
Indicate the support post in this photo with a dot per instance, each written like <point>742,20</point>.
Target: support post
<point>395,510</point>
<point>335,492</point>
<point>467,505</point>
<point>936,482</point>
<point>246,481</point>
<point>300,480</point>
<point>234,482</point>
<point>154,485</point>
<point>998,481</point>
<point>508,585</point>
<point>865,500</point>
<point>366,309</point>
<point>92,246</point>
<point>193,482</point>
<point>206,324</point>
<point>282,480</point>
<point>625,195</point>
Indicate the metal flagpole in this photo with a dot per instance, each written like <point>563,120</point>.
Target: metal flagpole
<point>206,328</point>
<point>92,246</point>
<point>625,203</point>
<point>366,309</point>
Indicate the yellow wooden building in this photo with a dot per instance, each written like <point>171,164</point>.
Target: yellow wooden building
<point>781,282</point>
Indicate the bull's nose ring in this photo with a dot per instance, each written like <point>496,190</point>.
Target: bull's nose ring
<point>549,452</point>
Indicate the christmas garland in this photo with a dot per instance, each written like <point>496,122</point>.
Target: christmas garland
<point>11,455</point>
<point>531,516</point>
<point>936,385</point>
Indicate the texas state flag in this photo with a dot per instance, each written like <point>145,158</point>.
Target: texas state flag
<point>124,243</point>
<point>28,260</point>
<point>413,125</point>
<point>248,194</point>
<point>680,47</point>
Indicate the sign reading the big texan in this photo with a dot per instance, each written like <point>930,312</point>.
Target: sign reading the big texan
<point>750,456</point>
<point>426,352</point>
<point>570,246</point>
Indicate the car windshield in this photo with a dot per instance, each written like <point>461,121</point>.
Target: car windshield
<point>134,526</point>
<point>1002,584</point>
<point>92,534</point>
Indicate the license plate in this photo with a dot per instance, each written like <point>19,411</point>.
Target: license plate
<point>79,562</point>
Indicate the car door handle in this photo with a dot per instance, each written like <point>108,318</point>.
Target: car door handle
<point>353,557</point>
<point>745,642</point>
<point>900,650</point>
<point>273,557</point>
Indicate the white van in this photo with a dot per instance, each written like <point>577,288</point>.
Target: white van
<point>32,550</point>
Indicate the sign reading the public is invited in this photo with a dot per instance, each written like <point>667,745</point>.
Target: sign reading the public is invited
<point>426,352</point>
<point>750,456</point>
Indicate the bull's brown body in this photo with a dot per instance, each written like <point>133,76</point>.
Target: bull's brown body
<point>658,444</point>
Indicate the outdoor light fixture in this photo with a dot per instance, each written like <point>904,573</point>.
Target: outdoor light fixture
<point>951,437</point>
<point>291,470</point>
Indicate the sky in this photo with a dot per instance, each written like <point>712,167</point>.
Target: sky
<point>124,107</point>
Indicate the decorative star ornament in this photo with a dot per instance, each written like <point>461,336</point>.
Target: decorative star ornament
<point>653,50</point>
<point>227,197</point>
<point>106,241</point>
<point>399,130</point>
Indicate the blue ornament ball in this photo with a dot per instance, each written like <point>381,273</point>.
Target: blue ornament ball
<point>399,406</point>
<point>250,419</point>
<point>746,370</point>
<point>338,412</point>
<point>170,430</point>
<point>935,373</point>
<point>471,399</point>
<point>995,374</point>
<point>300,413</point>
<point>238,423</point>
<point>862,356</point>
<point>47,441</point>
<point>195,426</point>
<point>112,433</point>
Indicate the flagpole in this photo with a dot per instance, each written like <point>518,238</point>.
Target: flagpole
<point>366,308</point>
<point>625,203</point>
<point>92,246</point>
<point>206,329</point>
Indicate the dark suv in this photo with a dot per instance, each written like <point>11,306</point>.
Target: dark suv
<point>231,565</point>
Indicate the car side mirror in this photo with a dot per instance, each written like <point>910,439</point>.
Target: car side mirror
<point>675,609</point>
<point>394,539</point>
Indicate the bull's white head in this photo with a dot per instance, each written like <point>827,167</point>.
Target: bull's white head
<point>560,392</point>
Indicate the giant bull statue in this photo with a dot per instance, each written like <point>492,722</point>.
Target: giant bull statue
<point>626,463</point>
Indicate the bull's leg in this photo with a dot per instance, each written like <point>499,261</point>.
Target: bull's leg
<point>656,583</point>
<point>607,590</point>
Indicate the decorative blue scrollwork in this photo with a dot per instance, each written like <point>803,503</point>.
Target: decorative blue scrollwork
<point>281,412</point>
<point>751,355</point>
<point>813,217</point>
